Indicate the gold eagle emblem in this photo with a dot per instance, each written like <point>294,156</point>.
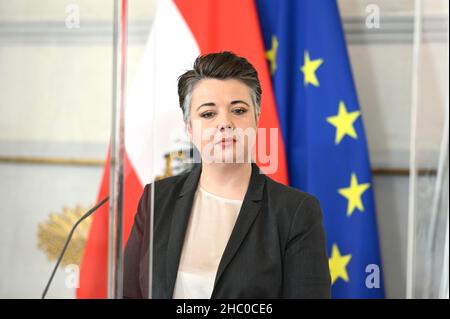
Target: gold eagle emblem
<point>52,235</point>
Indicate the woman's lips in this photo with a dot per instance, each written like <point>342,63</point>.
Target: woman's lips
<point>226,141</point>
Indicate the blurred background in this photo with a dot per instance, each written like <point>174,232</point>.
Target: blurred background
<point>55,127</point>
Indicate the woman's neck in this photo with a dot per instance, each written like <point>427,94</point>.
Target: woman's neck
<point>228,180</point>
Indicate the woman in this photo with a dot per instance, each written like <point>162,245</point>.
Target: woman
<point>224,229</point>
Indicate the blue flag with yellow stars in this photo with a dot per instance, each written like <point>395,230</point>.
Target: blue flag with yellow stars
<point>323,134</point>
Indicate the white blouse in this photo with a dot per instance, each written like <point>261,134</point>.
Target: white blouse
<point>210,224</point>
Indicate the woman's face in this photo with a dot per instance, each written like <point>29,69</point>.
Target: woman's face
<point>222,124</point>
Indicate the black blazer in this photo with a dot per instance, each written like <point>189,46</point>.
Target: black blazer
<point>276,248</point>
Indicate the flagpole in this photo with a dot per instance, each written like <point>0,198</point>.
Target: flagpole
<point>116,185</point>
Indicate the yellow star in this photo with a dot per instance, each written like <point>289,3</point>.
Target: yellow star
<point>271,55</point>
<point>353,194</point>
<point>309,70</point>
<point>343,122</point>
<point>338,264</point>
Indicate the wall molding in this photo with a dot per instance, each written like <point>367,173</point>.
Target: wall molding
<point>393,29</point>
<point>58,161</point>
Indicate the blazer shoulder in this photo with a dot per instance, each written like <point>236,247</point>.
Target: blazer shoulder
<point>297,211</point>
<point>289,194</point>
<point>169,183</point>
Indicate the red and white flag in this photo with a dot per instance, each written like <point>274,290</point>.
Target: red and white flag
<point>182,30</point>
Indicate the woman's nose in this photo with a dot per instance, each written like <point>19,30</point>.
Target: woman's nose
<point>223,127</point>
<point>224,123</point>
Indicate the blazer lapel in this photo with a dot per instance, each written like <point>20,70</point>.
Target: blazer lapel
<point>247,214</point>
<point>180,219</point>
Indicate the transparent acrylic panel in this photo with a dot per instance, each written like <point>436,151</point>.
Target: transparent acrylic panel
<point>431,153</point>
<point>55,116</point>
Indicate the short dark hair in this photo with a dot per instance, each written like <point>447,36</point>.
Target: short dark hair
<point>222,66</point>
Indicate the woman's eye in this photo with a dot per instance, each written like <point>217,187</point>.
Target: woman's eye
<point>207,115</point>
<point>239,111</point>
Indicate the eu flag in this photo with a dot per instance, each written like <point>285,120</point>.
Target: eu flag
<point>323,133</point>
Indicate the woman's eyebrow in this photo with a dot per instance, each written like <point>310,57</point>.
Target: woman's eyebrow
<point>239,101</point>
<point>207,104</point>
